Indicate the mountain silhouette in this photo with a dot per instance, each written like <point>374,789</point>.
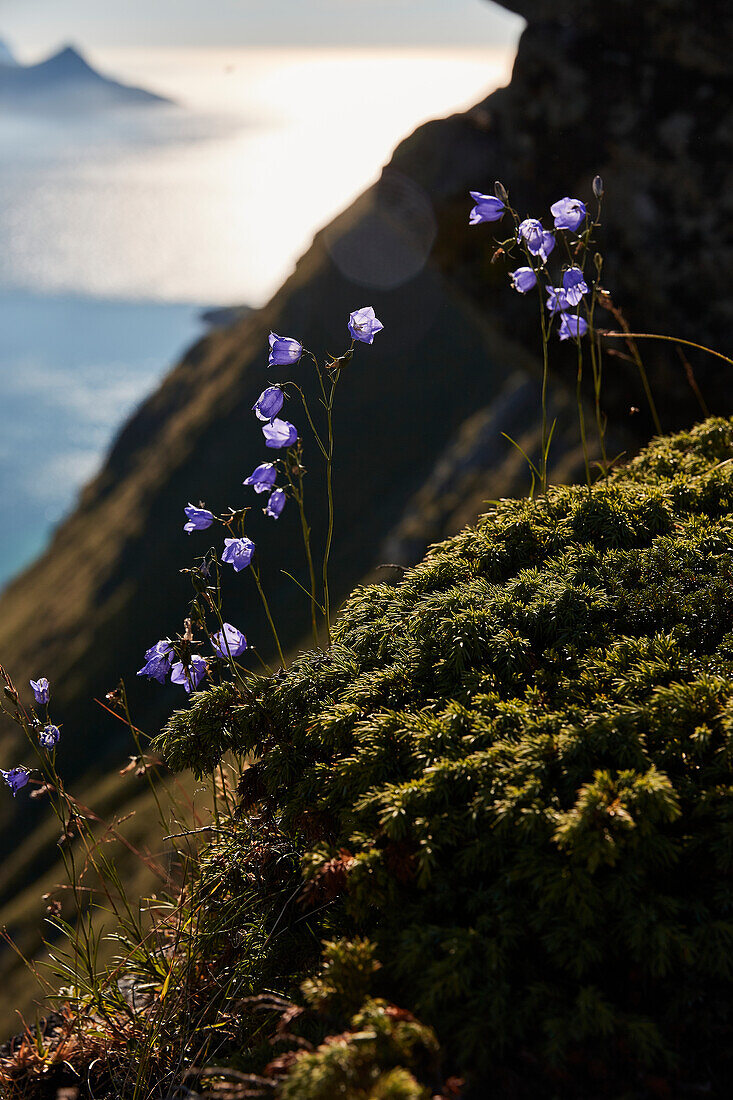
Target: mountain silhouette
<point>64,82</point>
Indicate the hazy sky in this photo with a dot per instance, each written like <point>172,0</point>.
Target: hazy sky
<point>31,26</point>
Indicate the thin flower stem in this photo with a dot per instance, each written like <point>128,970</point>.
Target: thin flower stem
<point>671,339</point>
<point>581,414</point>
<point>299,495</point>
<point>313,428</point>
<point>545,372</point>
<point>256,574</point>
<point>630,338</point>
<point>134,733</point>
<point>597,365</point>
<point>329,492</point>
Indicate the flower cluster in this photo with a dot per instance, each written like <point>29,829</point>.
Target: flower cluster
<point>48,735</point>
<point>174,660</point>
<point>570,216</point>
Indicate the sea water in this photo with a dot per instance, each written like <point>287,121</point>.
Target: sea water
<point>117,230</point>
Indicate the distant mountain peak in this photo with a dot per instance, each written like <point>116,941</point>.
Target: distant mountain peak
<point>65,81</point>
<point>69,61</point>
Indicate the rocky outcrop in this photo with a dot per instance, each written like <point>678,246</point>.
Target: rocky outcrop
<point>641,94</point>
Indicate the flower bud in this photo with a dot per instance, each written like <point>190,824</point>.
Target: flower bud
<point>501,192</point>
<point>598,187</point>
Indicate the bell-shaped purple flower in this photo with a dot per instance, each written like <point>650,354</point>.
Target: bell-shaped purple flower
<point>548,243</point>
<point>284,351</point>
<point>198,518</point>
<point>49,736</point>
<point>487,209</point>
<point>574,285</point>
<point>568,214</point>
<point>189,675</point>
<point>238,553</point>
<point>523,279</point>
<point>158,661</point>
<point>269,403</point>
<point>279,433</point>
<point>364,325</point>
<point>572,327</point>
<point>16,779</point>
<point>532,233</point>
<point>556,299</point>
<point>275,504</point>
<point>229,642</point>
<point>262,478</point>
<point>41,690</point>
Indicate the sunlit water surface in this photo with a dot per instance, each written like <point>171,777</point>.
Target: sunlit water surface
<point>115,231</point>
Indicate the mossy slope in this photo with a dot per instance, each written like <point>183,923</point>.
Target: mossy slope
<point>512,773</point>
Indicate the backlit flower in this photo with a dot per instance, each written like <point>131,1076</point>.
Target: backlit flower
<point>548,243</point>
<point>238,553</point>
<point>574,285</point>
<point>532,233</point>
<point>568,214</point>
<point>158,661</point>
<point>364,324</point>
<point>487,209</point>
<point>189,675</point>
<point>269,403</point>
<point>275,504</point>
<point>571,327</point>
<point>279,433</point>
<point>16,779</point>
<point>49,736</point>
<point>41,690</point>
<point>523,279</point>
<point>557,301</point>
<point>262,478</point>
<point>198,518</point>
<point>283,351</point>
<point>229,642</point>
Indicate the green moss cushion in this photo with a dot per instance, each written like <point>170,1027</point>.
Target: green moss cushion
<point>512,773</point>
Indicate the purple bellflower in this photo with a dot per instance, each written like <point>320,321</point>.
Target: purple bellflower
<point>572,327</point>
<point>275,504</point>
<point>198,518</point>
<point>568,214</point>
<point>574,285</point>
<point>269,403</point>
<point>189,675</point>
<point>262,478</point>
<point>49,736</point>
<point>284,351</point>
<point>523,279</point>
<point>229,642</point>
<point>364,324</point>
<point>158,661</point>
<point>279,433</point>
<point>548,243</point>
<point>487,209</point>
<point>41,690</point>
<point>238,553</point>
<point>532,233</point>
<point>16,779</point>
<point>557,301</point>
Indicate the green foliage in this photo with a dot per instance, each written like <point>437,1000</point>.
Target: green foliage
<point>512,773</point>
<point>372,1061</point>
